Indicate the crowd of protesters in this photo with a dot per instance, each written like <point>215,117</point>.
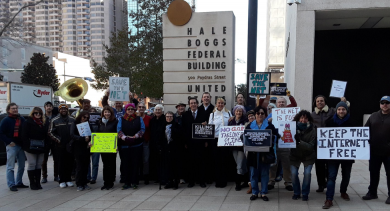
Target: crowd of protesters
<point>161,148</point>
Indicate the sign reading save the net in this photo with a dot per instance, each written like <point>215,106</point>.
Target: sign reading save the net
<point>104,142</point>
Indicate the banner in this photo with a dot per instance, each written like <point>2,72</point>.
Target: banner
<point>230,136</point>
<point>259,83</point>
<point>200,131</point>
<point>257,140</point>
<point>343,143</point>
<point>284,114</point>
<point>278,89</point>
<point>84,129</point>
<point>287,131</point>
<point>338,89</point>
<point>104,142</point>
<point>119,89</point>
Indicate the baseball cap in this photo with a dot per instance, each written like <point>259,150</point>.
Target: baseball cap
<point>387,98</point>
<point>62,106</point>
<point>47,103</point>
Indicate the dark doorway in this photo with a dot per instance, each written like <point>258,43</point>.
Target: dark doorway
<point>360,57</point>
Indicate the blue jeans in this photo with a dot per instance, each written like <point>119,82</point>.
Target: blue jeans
<point>264,169</point>
<point>95,167</point>
<point>306,180</point>
<point>15,153</point>
<point>333,168</point>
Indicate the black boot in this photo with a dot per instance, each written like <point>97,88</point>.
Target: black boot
<point>37,176</point>
<point>238,182</point>
<point>31,177</point>
<point>245,180</point>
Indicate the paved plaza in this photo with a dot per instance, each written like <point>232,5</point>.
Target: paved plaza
<point>148,197</point>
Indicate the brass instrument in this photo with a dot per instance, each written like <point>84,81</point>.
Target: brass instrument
<point>73,90</point>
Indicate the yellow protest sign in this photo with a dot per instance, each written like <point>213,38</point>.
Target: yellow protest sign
<point>104,142</point>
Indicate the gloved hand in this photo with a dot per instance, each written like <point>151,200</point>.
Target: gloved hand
<point>123,138</point>
<point>288,93</point>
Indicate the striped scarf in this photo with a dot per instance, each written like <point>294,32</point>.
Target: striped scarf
<point>17,124</point>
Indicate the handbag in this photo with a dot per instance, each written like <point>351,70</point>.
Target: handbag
<point>37,145</point>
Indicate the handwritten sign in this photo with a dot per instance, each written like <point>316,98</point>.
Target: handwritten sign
<point>338,88</point>
<point>284,114</point>
<point>84,129</point>
<point>287,131</point>
<point>259,83</point>
<point>257,140</point>
<point>104,142</point>
<point>200,131</point>
<point>343,143</point>
<point>230,136</point>
<point>119,89</point>
<point>278,89</point>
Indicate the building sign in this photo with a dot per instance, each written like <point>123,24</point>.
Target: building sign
<point>198,56</point>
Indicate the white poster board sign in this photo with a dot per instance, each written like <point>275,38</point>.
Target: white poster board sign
<point>119,89</point>
<point>338,88</point>
<point>284,114</point>
<point>229,136</point>
<point>343,143</point>
<point>84,129</point>
<point>287,131</point>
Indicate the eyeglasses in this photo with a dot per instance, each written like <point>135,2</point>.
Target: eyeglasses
<point>169,116</point>
<point>36,113</point>
<point>385,102</point>
<point>260,113</point>
<point>129,109</point>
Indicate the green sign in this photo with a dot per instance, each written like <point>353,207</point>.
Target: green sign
<point>104,142</point>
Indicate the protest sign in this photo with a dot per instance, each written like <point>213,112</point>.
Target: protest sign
<point>84,129</point>
<point>287,131</point>
<point>284,114</point>
<point>259,83</point>
<point>343,143</point>
<point>278,89</point>
<point>104,142</point>
<point>119,89</point>
<point>338,88</point>
<point>94,118</point>
<point>230,136</point>
<point>257,140</point>
<point>200,131</point>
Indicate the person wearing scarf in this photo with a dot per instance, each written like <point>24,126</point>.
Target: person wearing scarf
<point>305,153</point>
<point>219,117</point>
<point>130,129</point>
<point>34,128</point>
<point>340,119</point>
<point>9,134</point>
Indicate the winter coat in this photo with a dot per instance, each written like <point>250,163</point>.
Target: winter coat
<point>379,133</point>
<point>59,130</point>
<point>242,122</point>
<point>79,145</point>
<point>157,130</point>
<point>31,130</point>
<point>305,152</point>
<point>187,122</point>
<point>7,126</point>
<point>219,119</point>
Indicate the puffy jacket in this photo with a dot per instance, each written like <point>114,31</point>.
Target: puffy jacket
<point>305,152</point>
<point>379,133</point>
<point>59,129</point>
<point>321,116</point>
<point>109,127</point>
<point>219,119</point>
<point>31,130</point>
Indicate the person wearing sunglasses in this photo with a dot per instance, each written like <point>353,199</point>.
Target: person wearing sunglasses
<point>379,123</point>
<point>131,129</point>
<point>81,150</point>
<point>146,138</point>
<point>35,143</point>
<point>260,162</point>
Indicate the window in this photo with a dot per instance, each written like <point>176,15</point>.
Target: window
<point>23,53</point>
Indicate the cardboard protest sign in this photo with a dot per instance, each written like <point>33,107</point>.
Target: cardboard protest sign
<point>200,131</point>
<point>230,136</point>
<point>343,143</point>
<point>338,89</point>
<point>104,142</point>
<point>84,129</point>
<point>94,118</point>
<point>278,89</point>
<point>259,83</point>
<point>257,140</point>
<point>119,89</point>
<point>284,114</point>
<point>287,131</point>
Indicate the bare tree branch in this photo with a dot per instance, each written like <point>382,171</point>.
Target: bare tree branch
<point>12,19</point>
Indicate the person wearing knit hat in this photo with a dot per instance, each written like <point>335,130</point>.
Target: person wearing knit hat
<point>340,119</point>
<point>322,112</point>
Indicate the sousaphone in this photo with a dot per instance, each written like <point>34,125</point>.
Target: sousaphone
<point>73,90</point>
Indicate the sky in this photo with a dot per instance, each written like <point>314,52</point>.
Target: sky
<point>240,10</point>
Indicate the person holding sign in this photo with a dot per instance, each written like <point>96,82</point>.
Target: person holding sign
<point>130,130</point>
<point>108,124</point>
<point>238,152</point>
<point>219,117</point>
<point>260,162</point>
<point>320,115</point>
<point>81,151</point>
<point>379,123</point>
<point>305,152</point>
<point>290,97</point>
<point>340,119</point>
